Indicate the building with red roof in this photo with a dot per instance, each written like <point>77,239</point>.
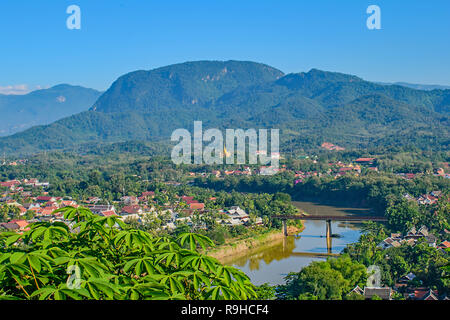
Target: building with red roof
<point>21,223</point>
<point>197,206</point>
<point>365,160</point>
<point>48,211</point>
<point>444,245</point>
<point>134,209</point>
<point>109,213</point>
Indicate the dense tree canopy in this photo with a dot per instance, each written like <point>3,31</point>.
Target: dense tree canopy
<point>327,280</point>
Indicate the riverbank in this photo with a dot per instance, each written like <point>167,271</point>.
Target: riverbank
<point>271,260</point>
<point>243,247</point>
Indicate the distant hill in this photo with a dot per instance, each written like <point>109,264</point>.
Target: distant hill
<point>20,112</point>
<point>309,107</point>
<point>418,86</point>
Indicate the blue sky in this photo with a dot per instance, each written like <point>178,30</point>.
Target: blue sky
<point>117,37</point>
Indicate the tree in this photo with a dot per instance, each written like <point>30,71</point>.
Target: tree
<point>326,280</point>
<point>402,215</point>
<point>265,292</point>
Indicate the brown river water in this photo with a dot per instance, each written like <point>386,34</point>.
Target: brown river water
<point>271,263</point>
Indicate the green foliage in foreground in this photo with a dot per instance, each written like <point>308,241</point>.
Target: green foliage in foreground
<point>113,263</point>
<point>324,280</point>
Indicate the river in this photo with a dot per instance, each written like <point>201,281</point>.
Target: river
<point>270,264</point>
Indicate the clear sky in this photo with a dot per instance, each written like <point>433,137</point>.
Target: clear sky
<point>117,37</point>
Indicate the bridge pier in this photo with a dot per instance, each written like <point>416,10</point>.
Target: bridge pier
<point>329,236</point>
<point>328,220</point>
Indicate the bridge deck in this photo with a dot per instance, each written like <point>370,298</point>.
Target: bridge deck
<point>332,218</point>
<point>314,254</point>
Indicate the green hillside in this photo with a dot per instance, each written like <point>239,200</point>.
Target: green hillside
<point>309,108</point>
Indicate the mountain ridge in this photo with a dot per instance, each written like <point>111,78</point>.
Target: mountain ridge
<point>310,106</point>
<point>43,106</point>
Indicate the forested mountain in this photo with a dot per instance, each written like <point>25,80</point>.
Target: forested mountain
<point>40,107</point>
<point>309,108</point>
<point>419,86</point>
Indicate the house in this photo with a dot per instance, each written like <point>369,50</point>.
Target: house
<point>396,236</point>
<point>30,206</point>
<point>186,220</point>
<point>388,243</point>
<point>36,210</point>
<point>42,184</point>
<point>35,183</point>
<point>366,161</point>
<point>413,233</point>
<point>68,203</point>
<point>131,217</point>
<point>197,206</point>
<point>21,223</point>
<point>424,294</point>
<point>407,278</point>
<point>130,200</point>
<point>44,199</point>
<point>430,295</point>
<point>99,208</point>
<point>427,199</point>
<point>10,184</point>
<point>409,197</point>
<point>148,194</point>
<point>444,245</point>
<point>237,216</point>
<point>22,209</point>
<point>10,226</point>
<point>187,199</point>
<point>51,204</point>
<point>357,290</point>
<point>259,221</point>
<point>395,240</point>
<point>134,209</point>
<point>237,212</point>
<point>108,213</point>
<point>233,222</point>
<point>191,201</point>
<point>48,211</point>
<point>268,170</point>
<point>93,200</point>
<point>384,293</point>
<point>170,226</point>
<point>30,182</point>
<point>421,233</point>
<point>173,183</point>
<point>436,194</point>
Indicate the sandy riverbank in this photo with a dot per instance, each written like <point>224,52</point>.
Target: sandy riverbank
<point>239,248</point>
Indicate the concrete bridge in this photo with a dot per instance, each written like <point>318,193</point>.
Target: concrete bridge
<point>314,254</point>
<point>328,220</point>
